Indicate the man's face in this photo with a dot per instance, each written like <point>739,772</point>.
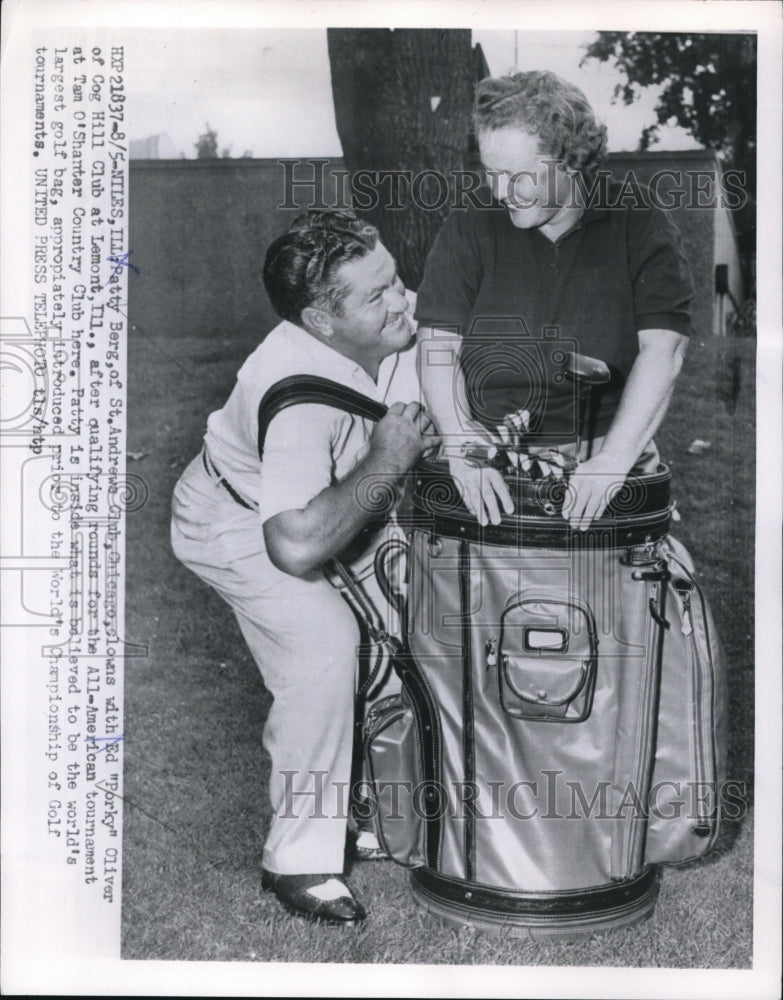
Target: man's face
<point>531,186</point>
<point>371,323</point>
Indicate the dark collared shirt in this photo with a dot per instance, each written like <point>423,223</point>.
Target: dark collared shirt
<point>521,301</point>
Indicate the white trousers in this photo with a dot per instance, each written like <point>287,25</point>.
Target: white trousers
<point>304,638</point>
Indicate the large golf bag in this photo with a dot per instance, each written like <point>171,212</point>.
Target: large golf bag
<point>560,731</point>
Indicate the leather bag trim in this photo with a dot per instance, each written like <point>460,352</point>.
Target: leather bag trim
<point>546,905</point>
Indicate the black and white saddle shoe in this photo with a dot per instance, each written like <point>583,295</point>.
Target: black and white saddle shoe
<point>367,847</point>
<point>324,898</point>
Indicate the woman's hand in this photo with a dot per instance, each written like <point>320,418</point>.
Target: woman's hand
<point>482,488</point>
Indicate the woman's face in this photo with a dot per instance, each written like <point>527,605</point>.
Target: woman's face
<point>535,188</point>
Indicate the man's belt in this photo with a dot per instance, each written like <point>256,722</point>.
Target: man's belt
<point>213,473</point>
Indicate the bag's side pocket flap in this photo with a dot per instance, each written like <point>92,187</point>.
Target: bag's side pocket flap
<point>545,682</point>
<point>392,752</point>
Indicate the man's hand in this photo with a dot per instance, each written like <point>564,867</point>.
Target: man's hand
<point>302,540</point>
<point>402,436</point>
<point>483,490</point>
<point>591,487</point>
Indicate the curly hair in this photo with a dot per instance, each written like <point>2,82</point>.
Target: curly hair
<point>301,266</point>
<point>545,105</point>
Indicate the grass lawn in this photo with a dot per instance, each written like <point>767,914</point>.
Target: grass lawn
<point>195,771</point>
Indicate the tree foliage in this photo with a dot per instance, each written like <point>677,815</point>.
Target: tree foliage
<point>708,87</point>
<point>207,147</point>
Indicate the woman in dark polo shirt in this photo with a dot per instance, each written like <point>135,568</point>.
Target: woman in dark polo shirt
<point>559,261</point>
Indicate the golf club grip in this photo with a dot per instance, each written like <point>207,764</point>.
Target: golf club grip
<point>312,389</point>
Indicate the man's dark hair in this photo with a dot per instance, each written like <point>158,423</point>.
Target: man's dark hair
<point>301,266</point>
<point>543,104</point>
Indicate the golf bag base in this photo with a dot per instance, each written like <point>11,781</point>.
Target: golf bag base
<point>562,916</point>
<point>561,728</point>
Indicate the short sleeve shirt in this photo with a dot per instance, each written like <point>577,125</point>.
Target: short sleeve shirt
<point>521,301</point>
<point>307,447</point>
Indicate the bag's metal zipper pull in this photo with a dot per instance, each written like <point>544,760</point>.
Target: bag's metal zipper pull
<point>491,649</point>
<point>657,573</point>
<point>687,627</point>
<point>371,719</point>
<point>684,588</point>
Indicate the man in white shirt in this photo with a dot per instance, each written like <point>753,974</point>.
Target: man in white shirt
<point>259,530</point>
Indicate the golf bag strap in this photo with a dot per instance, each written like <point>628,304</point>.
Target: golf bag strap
<point>298,389</point>
<point>312,389</point>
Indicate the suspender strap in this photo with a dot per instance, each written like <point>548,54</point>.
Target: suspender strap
<point>312,389</point>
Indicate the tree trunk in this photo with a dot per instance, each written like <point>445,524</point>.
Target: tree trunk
<point>402,104</point>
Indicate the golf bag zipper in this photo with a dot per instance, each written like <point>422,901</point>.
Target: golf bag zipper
<point>381,715</point>
<point>468,737</point>
<point>635,829</point>
<point>684,588</point>
<point>703,756</point>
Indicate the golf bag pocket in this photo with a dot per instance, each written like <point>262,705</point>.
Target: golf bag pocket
<point>392,754</point>
<point>689,777</point>
<point>546,657</point>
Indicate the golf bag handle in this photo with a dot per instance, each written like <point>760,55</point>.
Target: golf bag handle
<point>395,597</point>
